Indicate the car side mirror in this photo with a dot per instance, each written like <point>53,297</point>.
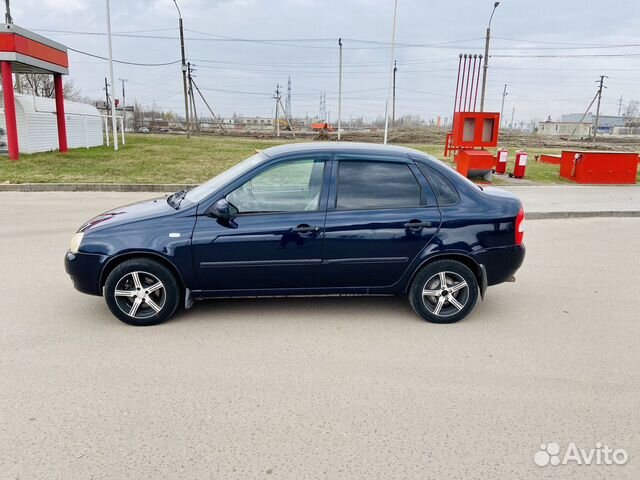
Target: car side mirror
<point>223,210</point>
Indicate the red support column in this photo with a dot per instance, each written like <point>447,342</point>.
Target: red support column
<point>10,110</point>
<point>62,124</point>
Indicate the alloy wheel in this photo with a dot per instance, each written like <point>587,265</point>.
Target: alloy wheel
<point>140,295</point>
<point>445,294</point>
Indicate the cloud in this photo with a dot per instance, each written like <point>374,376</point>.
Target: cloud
<point>239,76</point>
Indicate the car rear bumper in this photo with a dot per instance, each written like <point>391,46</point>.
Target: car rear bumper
<point>84,270</point>
<point>501,263</point>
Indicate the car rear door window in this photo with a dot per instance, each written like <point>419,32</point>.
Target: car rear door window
<point>445,192</point>
<point>374,185</point>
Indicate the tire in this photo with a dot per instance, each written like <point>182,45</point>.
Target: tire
<point>142,292</point>
<point>447,305</point>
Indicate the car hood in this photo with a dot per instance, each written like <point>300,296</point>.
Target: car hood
<point>134,212</point>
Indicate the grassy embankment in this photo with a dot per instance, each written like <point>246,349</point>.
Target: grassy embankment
<point>176,159</point>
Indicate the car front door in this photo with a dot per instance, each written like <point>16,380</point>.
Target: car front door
<point>381,214</point>
<point>275,240</point>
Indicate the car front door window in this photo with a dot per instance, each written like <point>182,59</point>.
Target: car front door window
<point>292,186</point>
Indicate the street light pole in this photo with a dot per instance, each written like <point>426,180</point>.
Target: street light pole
<point>393,114</point>
<point>486,58</point>
<point>184,72</point>
<point>114,125</point>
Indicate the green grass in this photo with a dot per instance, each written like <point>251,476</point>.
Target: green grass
<point>176,159</point>
<point>144,159</point>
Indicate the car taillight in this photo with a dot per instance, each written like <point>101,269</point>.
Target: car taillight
<point>520,227</point>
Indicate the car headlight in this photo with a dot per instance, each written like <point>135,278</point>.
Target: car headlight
<point>76,241</point>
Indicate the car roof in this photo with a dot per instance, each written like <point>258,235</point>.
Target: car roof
<point>339,147</point>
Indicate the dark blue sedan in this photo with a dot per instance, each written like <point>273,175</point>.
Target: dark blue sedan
<point>306,219</point>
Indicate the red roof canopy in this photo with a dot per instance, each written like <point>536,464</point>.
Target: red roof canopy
<point>31,53</point>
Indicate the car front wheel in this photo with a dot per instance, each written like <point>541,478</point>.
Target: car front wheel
<point>444,291</point>
<point>142,292</point>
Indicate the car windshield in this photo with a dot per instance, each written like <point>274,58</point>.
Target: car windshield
<point>201,192</point>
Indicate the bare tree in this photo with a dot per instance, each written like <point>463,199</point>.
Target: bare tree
<point>633,109</point>
<point>41,85</point>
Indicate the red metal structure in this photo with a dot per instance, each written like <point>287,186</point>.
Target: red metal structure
<point>471,131</point>
<point>599,167</point>
<point>551,159</point>
<point>502,156</point>
<point>22,51</point>
<point>520,167</point>
<point>318,127</point>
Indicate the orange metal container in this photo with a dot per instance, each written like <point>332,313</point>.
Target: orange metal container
<point>473,161</point>
<point>475,130</point>
<point>599,167</point>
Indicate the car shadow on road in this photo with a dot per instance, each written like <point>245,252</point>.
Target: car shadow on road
<point>354,308</point>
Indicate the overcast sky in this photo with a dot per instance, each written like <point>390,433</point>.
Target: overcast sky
<point>298,38</point>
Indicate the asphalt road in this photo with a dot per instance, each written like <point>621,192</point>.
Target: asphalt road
<point>318,388</point>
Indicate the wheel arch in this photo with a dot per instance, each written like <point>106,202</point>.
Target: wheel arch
<point>477,268</point>
<point>113,262</point>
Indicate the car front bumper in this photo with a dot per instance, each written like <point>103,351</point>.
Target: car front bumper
<point>84,270</point>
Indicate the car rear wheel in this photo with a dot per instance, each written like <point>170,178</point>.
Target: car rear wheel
<point>444,291</point>
<point>142,292</point>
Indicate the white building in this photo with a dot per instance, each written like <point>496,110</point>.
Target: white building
<point>565,129</point>
<point>38,128</point>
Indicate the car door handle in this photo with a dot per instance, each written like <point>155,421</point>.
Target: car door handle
<point>418,224</point>
<point>306,229</point>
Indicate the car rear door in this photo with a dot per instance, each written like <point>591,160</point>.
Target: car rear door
<point>276,240</point>
<point>381,214</point>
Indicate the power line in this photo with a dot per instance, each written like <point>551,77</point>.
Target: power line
<point>569,55</point>
<point>124,62</point>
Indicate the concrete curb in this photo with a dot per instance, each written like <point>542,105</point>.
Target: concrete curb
<point>91,187</point>
<point>173,187</point>
<point>586,214</point>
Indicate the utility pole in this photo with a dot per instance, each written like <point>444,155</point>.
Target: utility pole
<point>106,95</point>
<point>192,99</point>
<point>504,94</point>
<point>600,87</point>
<point>393,115</point>
<point>7,15</point>
<point>113,91</point>
<point>620,106</point>
<point>340,92</point>
<point>124,103</point>
<point>393,53</point>
<point>513,115</point>
<point>287,119</point>
<point>287,109</point>
<point>277,97</point>
<point>208,106</point>
<point>184,72</point>
<point>486,58</point>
